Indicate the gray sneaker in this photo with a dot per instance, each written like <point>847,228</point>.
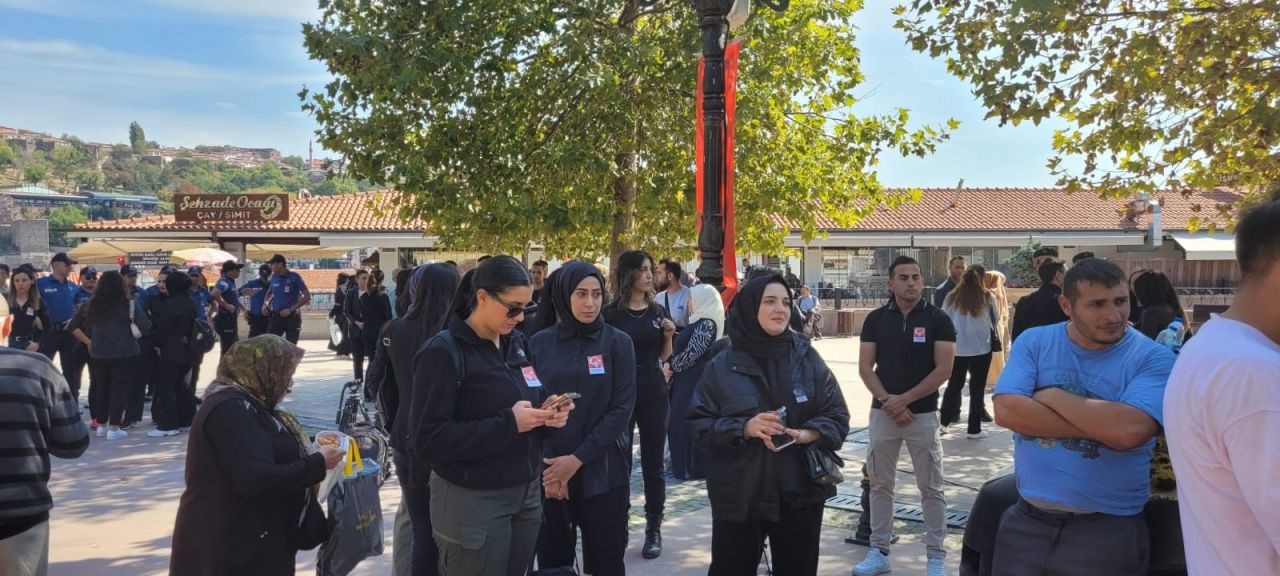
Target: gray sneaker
<point>937,566</point>
<point>874,564</point>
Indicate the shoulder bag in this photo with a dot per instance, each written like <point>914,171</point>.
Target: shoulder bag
<point>823,465</point>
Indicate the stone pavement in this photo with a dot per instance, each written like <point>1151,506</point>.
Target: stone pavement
<point>116,505</point>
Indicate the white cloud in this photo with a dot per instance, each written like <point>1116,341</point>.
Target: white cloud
<point>296,10</point>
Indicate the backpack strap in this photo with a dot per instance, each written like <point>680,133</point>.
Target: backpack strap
<point>459,365</point>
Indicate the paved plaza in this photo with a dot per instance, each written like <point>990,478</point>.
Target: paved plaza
<point>116,505</point>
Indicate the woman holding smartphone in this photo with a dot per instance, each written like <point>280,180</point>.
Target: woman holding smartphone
<point>588,470</point>
<point>769,389</point>
<point>634,311</point>
<point>477,422</point>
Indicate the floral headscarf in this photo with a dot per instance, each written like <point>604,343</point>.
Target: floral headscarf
<point>262,367</point>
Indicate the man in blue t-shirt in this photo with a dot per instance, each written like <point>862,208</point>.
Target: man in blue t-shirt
<point>88,281</point>
<point>1084,399</point>
<point>288,294</point>
<point>226,302</point>
<point>59,297</point>
<point>256,290</point>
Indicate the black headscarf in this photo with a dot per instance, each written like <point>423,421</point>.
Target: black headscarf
<point>557,293</point>
<point>743,323</point>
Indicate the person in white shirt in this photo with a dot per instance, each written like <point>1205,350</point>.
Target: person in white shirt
<point>1222,418</point>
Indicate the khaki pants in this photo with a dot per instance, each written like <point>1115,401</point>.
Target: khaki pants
<point>921,437</point>
<point>402,541</point>
<point>26,554</point>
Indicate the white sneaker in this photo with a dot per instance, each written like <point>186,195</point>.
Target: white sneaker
<point>875,563</point>
<point>937,566</point>
<point>117,434</point>
<point>101,431</point>
<point>978,436</point>
<point>158,433</point>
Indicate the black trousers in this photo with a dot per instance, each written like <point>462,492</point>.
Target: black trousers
<point>652,408</point>
<point>174,405</point>
<point>110,384</point>
<point>736,547</point>
<point>258,325</point>
<point>144,372</point>
<point>67,348</point>
<point>977,368</point>
<point>603,522</point>
<point>1038,542</point>
<point>426,557</point>
<point>369,340</point>
<point>287,326</point>
<point>357,352</point>
<point>228,332</point>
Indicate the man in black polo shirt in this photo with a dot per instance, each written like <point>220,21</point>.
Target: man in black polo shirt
<point>1041,308</point>
<point>908,347</point>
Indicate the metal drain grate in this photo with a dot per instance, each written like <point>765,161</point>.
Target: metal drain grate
<point>853,503</point>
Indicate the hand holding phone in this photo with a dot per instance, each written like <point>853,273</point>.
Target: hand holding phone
<point>561,401</point>
<point>782,440</point>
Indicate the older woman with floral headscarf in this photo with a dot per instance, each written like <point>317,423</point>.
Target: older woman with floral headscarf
<point>250,470</point>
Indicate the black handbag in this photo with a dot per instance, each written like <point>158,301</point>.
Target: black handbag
<point>824,466</point>
<point>313,529</point>
<point>996,344</point>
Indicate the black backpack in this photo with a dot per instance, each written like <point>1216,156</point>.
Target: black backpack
<point>201,339</point>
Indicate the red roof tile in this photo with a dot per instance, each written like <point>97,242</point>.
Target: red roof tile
<point>344,213</point>
<point>974,209</point>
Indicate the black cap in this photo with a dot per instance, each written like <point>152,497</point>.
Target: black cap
<point>128,270</point>
<point>62,257</point>
<point>168,269</point>
<point>229,266</point>
<point>195,271</point>
<point>88,272</point>
<point>277,259</point>
<point>264,270</point>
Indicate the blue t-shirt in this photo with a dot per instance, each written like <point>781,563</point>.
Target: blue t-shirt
<point>808,303</point>
<point>59,298</point>
<point>145,296</point>
<point>286,290</point>
<point>227,287</point>
<point>83,296</point>
<point>203,298</point>
<point>255,301</point>
<point>1084,474</point>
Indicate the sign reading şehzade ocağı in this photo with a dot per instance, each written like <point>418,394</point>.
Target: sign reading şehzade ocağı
<point>230,207</point>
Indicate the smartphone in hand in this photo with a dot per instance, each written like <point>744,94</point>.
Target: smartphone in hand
<point>781,441</point>
<point>562,401</point>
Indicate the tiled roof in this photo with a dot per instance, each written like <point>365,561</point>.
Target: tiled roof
<point>975,209</point>
<point>1048,209</point>
<point>343,213</point>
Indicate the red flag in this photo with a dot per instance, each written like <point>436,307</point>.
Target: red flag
<point>731,53</point>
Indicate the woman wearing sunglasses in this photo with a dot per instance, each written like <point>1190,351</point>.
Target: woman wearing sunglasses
<point>479,424</point>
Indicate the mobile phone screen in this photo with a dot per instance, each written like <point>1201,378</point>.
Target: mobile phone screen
<point>781,441</point>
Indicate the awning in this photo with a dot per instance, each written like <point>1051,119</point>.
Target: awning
<point>106,251</point>
<point>1204,246</point>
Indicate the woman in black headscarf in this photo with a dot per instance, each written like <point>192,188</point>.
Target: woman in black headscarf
<point>586,483</point>
<point>769,389</point>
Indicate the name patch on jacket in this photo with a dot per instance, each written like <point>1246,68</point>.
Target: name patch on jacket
<point>595,364</point>
<point>919,336</point>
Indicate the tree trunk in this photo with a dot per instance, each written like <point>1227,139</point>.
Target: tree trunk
<point>624,212</point>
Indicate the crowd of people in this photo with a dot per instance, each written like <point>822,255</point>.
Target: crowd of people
<point>515,400</point>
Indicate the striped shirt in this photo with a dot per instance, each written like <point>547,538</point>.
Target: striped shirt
<point>38,417</point>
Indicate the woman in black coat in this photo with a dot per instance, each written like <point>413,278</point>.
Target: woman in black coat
<point>587,480</point>
<point>250,469</point>
<point>174,405</point>
<point>338,317</point>
<point>769,386</point>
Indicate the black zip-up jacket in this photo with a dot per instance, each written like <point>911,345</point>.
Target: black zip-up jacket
<point>463,424</point>
<point>743,478</point>
<point>597,432</point>
<point>174,317</point>
<point>354,313</point>
<point>1039,308</point>
<point>390,376</point>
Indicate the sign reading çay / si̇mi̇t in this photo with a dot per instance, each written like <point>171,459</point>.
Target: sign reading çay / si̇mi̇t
<point>230,207</point>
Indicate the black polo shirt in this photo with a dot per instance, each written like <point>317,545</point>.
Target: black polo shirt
<point>904,347</point>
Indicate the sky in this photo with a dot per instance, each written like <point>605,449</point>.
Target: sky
<point>228,72</point>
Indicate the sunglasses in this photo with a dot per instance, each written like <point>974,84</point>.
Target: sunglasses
<point>513,311</point>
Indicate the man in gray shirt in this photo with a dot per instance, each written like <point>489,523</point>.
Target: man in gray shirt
<point>675,295</point>
<point>38,417</point>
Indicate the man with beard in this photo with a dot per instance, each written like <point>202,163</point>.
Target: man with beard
<point>1084,399</point>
